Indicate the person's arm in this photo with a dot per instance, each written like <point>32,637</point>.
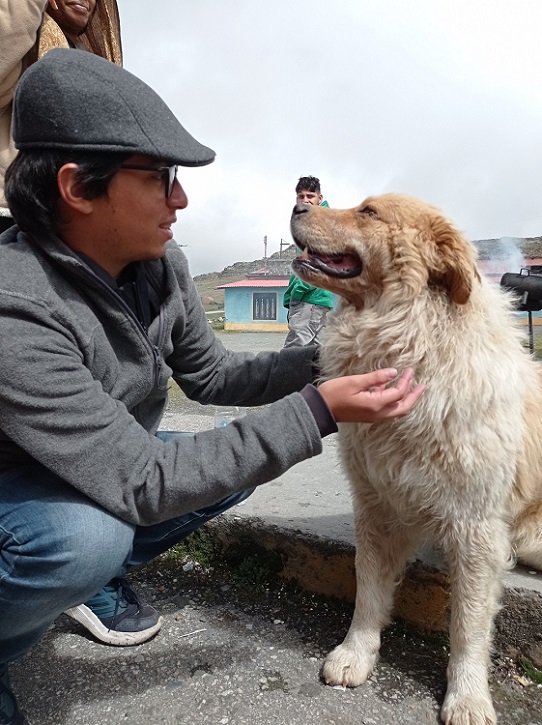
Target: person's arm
<point>209,373</point>
<point>53,408</point>
<point>61,401</point>
<point>20,21</point>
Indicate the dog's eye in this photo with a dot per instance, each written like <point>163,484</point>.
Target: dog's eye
<point>370,211</point>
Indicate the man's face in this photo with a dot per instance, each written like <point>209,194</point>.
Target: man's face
<point>132,222</point>
<point>71,15</point>
<point>304,196</point>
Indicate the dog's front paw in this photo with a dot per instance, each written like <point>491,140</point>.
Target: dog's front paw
<point>468,710</point>
<point>348,666</point>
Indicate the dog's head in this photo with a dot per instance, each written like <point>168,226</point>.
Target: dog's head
<point>389,241</point>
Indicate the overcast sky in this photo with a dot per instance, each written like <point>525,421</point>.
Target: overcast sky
<point>441,99</point>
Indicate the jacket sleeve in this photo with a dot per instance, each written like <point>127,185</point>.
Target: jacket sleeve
<point>209,373</point>
<point>52,408</point>
<point>20,21</point>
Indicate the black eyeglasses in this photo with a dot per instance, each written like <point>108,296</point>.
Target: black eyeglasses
<point>168,172</point>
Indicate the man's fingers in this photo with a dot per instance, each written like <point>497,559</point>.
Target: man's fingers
<point>395,392</point>
<point>404,382</point>
<point>397,399</point>
<point>403,405</point>
<point>369,398</point>
<point>376,378</point>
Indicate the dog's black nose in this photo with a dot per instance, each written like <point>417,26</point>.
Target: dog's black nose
<point>300,209</point>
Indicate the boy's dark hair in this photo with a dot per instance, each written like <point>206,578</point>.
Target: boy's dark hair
<point>308,183</point>
<point>31,187</point>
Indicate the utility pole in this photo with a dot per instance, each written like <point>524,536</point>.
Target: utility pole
<point>265,247</point>
<point>283,243</point>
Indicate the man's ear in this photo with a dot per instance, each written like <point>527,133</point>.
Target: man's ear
<point>71,190</point>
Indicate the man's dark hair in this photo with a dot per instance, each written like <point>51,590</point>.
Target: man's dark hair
<point>31,188</point>
<point>308,183</point>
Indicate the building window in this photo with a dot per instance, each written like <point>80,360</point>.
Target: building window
<point>264,306</point>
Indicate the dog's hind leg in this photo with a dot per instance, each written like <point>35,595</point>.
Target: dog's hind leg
<point>478,554</point>
<point>525,505</point>
<point>527,537</point>
<point>383,547</point>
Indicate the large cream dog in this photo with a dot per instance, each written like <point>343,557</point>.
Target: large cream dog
<point>464,468</point>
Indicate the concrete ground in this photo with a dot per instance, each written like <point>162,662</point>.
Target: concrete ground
<point>227,660</point>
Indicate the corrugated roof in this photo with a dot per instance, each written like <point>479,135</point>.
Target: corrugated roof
<point>256,283</point>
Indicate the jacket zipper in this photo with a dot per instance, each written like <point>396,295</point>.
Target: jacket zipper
<point>157,358</point>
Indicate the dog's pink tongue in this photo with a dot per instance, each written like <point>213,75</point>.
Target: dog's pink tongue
<point>338,261</point>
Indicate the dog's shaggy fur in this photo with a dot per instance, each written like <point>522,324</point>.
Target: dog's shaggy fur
<point>464,467</point>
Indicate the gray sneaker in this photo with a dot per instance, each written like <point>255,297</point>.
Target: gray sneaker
<point>116,616</point>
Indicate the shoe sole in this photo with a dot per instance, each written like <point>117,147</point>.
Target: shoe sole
<point>85,616</point>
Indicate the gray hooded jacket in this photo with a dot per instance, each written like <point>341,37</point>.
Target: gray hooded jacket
<point>83,387</point>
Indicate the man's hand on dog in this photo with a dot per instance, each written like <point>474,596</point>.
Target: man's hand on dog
<point>368,398</point>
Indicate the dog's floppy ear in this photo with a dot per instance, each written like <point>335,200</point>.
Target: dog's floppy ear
<point>454,265</point>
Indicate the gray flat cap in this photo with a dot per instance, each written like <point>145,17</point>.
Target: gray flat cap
<point>72,99</point>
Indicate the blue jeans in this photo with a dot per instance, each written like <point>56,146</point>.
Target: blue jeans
<point>58,548</point>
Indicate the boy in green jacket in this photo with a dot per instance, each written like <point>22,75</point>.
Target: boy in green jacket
<point>307,305</point>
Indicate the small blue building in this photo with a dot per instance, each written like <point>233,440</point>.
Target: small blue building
<point>255,304</point>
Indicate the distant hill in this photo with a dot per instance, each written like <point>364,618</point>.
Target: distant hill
<point>206,283</point>
<point>530,247</point>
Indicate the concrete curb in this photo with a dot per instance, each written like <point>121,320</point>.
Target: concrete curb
<point>327,567</point>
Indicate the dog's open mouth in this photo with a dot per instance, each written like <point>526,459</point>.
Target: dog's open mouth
<point>334,265</point>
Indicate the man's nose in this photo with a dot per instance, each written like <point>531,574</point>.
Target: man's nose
<point>178,198</point>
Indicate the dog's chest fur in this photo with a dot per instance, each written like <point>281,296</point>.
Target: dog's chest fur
<point>461,441</point>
